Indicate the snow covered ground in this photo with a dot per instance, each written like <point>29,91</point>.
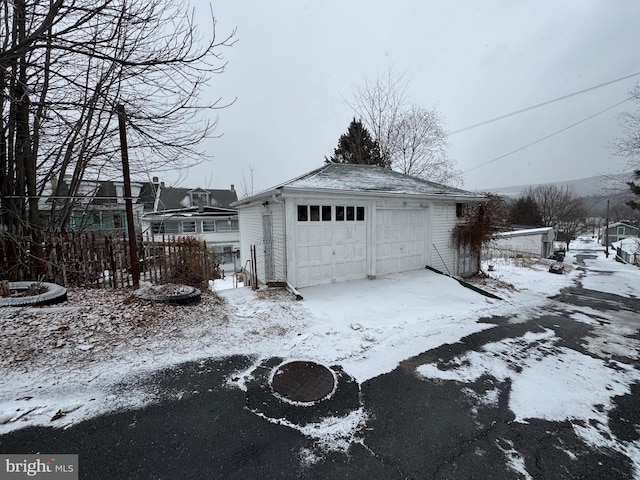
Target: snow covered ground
<point>62,364</point>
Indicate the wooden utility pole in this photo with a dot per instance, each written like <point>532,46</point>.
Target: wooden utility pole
<point>606,234</point>
<point>128,201</point>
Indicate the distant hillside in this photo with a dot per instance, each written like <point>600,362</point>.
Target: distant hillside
<point>600,186</point>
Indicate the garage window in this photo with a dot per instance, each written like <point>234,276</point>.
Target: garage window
<point>314,213</point>
<point>326,213</point>
<point>349,214</point>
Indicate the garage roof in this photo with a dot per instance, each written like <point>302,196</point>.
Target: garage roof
<point>372,179</point>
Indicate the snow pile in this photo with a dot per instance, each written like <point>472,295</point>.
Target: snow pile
<point>67,363</point>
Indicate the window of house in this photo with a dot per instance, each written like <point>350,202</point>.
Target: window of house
<point>172,227</point>
<point>208,226</point>
<point>189,226</point>
<point>157,227</point>
<point>234,226</point>
<point>459,210</point>
<point>340,214</point>
<point>360,214</point>
<point>199,199</point>
<point>620,230</point>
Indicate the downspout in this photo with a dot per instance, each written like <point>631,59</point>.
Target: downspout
<point>290,287</point>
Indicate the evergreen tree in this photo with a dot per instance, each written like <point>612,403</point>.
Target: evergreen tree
<point>525,211</point>
<point>357,146</point>
<point>635,189</point>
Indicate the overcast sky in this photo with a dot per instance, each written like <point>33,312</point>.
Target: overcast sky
<point>295,65</point>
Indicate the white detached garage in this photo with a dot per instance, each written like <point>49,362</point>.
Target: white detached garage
<point>345,222</point>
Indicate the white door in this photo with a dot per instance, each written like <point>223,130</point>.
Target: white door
<point>400,240</point>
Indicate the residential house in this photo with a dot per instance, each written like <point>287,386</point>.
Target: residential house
<point>98,204</point>
<point>344,221</point>
<point>205,213</point>
<point>616,232</point>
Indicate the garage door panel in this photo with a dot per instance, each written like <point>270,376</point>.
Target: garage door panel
<point>400,240</point>
<point>330,251</point>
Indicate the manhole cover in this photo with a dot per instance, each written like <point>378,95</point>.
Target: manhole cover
<point>303,381</point>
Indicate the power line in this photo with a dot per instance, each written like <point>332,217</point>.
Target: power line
<point>548,102</point>
<point>548,136</point>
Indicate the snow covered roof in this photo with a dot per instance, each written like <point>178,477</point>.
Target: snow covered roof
<point>354,178</point>
<point>524,232</point>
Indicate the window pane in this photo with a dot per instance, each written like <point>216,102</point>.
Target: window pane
<point>360,214</point>
<point>189,226</point>
<point>171,227</point>
<point>208,226</point>
<point>326,213</point>
<point>157,227</point>
<point>351,214</point>
<point>303,214</point>
<point>315,213</point>
<point>340,214</point>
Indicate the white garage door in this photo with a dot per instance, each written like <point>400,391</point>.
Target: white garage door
<point>400,240</point>
<point>331,244</point>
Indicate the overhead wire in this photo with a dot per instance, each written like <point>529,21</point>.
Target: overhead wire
<point>547,136</point>
<point>548,102</point>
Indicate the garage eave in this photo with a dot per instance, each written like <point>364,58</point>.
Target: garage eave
<point>437,197</point>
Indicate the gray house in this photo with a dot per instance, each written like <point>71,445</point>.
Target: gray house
<point>343,222</point>
<point>199,212</point>
<point>618,231</point>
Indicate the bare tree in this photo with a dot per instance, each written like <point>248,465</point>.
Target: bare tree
<point>64,66</point>
<point>560,208</point>
<point>412,140</point>
<point>419,147</point>
<point>380,103</point>
<point>629,145</point>
<point>247,185</point>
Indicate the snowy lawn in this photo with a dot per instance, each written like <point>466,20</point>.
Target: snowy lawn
<point>61,364</point>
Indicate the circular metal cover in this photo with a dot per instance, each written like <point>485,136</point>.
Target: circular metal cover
<point>302,381</point>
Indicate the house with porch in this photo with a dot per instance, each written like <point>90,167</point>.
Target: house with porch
<point>205,213</point>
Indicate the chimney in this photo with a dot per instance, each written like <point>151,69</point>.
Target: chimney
<point>232,187</point>
<point>155,180</point>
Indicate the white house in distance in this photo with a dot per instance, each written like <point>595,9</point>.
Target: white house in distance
<point>344,221</point>
<point>204,213</point>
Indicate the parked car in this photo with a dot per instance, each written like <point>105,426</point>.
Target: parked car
<point>558,255</point>
<point>556,268</point>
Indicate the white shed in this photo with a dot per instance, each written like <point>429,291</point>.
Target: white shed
<point>530,242</point>
<point>344,222</point>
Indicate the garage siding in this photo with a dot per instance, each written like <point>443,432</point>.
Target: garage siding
<point>250,223</point>
<point>252,232</point>
<point>443,220</point>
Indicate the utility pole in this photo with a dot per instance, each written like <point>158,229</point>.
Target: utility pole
<point>606,233</point>
<point>128,201</point>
